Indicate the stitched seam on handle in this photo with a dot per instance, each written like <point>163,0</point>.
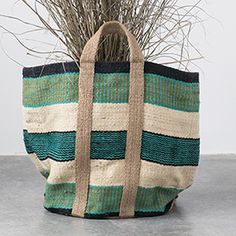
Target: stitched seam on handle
<point>83,138</point>
<point>134,140</point>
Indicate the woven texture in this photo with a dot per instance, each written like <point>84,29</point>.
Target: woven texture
<point>169,146</point>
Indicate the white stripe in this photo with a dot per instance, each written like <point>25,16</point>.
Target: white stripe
<point>112,117</point>
<point>111,173</point>
<point>153,174</point>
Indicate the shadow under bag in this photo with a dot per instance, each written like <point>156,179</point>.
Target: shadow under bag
<point>113,139</point>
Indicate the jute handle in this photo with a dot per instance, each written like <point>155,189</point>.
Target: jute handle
<point>135,125</point>
<point>90,49</point>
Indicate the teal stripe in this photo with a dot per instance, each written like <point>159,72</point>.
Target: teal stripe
<point>170,150</point>
<point>111,145</point>
<point>107,199</point>
<point>110,88</point>
<point>57,146</point>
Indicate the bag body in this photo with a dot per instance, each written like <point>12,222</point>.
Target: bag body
<point>118,139</point>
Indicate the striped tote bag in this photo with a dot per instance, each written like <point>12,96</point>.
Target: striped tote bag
<point>117,139</point>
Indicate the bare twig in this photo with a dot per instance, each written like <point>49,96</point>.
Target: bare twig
<point>161,27</point>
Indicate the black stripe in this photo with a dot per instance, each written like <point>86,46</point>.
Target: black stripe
<point>101,216</point>
<point>60,211</point>
<point>105,131</point>
<point>148,214</point>
<point>169,164</point>
<point>114,159</point>
<point>68,212</point>
<point>111,67</point>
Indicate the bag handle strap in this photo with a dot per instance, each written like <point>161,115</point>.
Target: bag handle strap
<point>135,124</point>
<point>111,27</point>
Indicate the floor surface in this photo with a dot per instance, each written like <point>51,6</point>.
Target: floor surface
<point>207,208</point>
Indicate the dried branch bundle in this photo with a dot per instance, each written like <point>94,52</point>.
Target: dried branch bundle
<point>162,27</point>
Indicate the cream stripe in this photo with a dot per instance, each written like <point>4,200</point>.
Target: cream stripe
<point>61,117</point>
<point>110,173</point>
<point>166,176</point>
<point>112,117</point>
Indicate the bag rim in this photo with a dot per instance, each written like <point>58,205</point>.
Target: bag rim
<point>111,67</point>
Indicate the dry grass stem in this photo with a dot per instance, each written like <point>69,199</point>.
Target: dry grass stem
<point>162,27</point>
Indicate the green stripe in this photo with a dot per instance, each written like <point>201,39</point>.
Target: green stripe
<point>110,88</point>
<point>104,199</point>
<point>111,145</point>
<point>59,195</point>
<point>154,199</point>
<point>107,199</point>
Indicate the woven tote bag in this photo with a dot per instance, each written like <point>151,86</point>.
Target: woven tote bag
<point>117,139</point>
